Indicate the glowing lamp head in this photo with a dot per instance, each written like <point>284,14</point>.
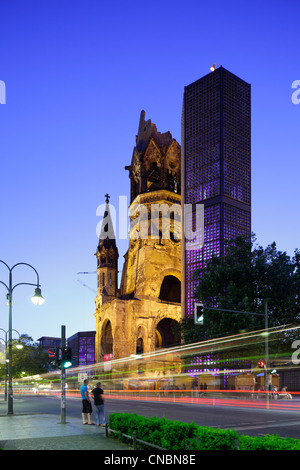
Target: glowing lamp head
<point>37,298</point>
<point>213,68</point>
<point>19,346</point>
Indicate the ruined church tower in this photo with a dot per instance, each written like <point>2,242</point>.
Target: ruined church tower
<point>139,316</point>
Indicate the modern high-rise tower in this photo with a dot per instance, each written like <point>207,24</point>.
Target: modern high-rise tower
<point>216,166</point>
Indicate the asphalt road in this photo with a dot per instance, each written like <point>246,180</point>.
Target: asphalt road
<point>244,420</point>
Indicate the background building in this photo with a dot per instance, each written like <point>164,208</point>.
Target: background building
<point>83,348</point>
<point>216,164</point>
<point>49,342</point>
<point>82,344</point>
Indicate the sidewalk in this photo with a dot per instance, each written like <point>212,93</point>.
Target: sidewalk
<point>22,431</point>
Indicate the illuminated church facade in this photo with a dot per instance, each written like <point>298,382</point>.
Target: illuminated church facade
<point>139,315</point>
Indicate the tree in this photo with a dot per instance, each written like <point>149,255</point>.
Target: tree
<point>243,279</point>
<point>32,359</point>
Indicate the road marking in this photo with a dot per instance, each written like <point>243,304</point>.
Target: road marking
<point>266,425</point>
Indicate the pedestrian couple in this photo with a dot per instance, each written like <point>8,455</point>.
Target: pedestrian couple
<point>87,409</point>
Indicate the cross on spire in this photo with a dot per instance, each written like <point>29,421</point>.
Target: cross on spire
<point>107,198</point>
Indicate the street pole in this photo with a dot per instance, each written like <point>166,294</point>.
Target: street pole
<point>5,393</point>
<point>63,378</point>
<point>6,360</point>
<point>37,299</point>
<point>267,354</point>
<point>10,388</point>
<point>5,368</point>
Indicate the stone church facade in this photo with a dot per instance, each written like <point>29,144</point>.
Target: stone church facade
<point>140,315</point>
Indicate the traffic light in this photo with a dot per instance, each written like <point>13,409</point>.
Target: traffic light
<point>66,358</point>
<point>261,364</point>
<point>53,354</point>
<point>199,314</point>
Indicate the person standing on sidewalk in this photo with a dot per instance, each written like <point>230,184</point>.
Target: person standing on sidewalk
<point>99,405</point>
<point>86,403</point>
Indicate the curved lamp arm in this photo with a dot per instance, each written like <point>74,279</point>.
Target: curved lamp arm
<point>37,298</point>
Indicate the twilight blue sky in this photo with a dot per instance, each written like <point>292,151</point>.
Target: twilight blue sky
<point>77,76</point>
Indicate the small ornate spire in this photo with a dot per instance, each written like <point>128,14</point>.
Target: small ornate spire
<point>107,196</point>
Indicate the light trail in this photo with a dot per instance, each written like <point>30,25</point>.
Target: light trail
<point>141,377</point>
<point>233,341</point>
<point>256,402</point>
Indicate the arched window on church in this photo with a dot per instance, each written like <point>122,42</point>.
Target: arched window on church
<point>106,339</point>
<point>166,333</point>
<point>153,177</point>
<point>170,290</point>
<point>140,346</point>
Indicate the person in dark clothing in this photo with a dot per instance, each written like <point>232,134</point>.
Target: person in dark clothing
<point>97,393</point>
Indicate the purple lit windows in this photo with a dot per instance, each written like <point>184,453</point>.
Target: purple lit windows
<point>217,164</point>
<point>236,222</point>
<point>196,259</point>
<point>211,189</point>
<point>86,352</point>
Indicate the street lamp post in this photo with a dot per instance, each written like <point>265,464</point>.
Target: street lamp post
<point>267,381</point>
<point>19,346</point>
<point>37,299</point>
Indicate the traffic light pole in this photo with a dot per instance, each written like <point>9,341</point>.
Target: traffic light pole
<point>63,378</point>
<point>267,355</point>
